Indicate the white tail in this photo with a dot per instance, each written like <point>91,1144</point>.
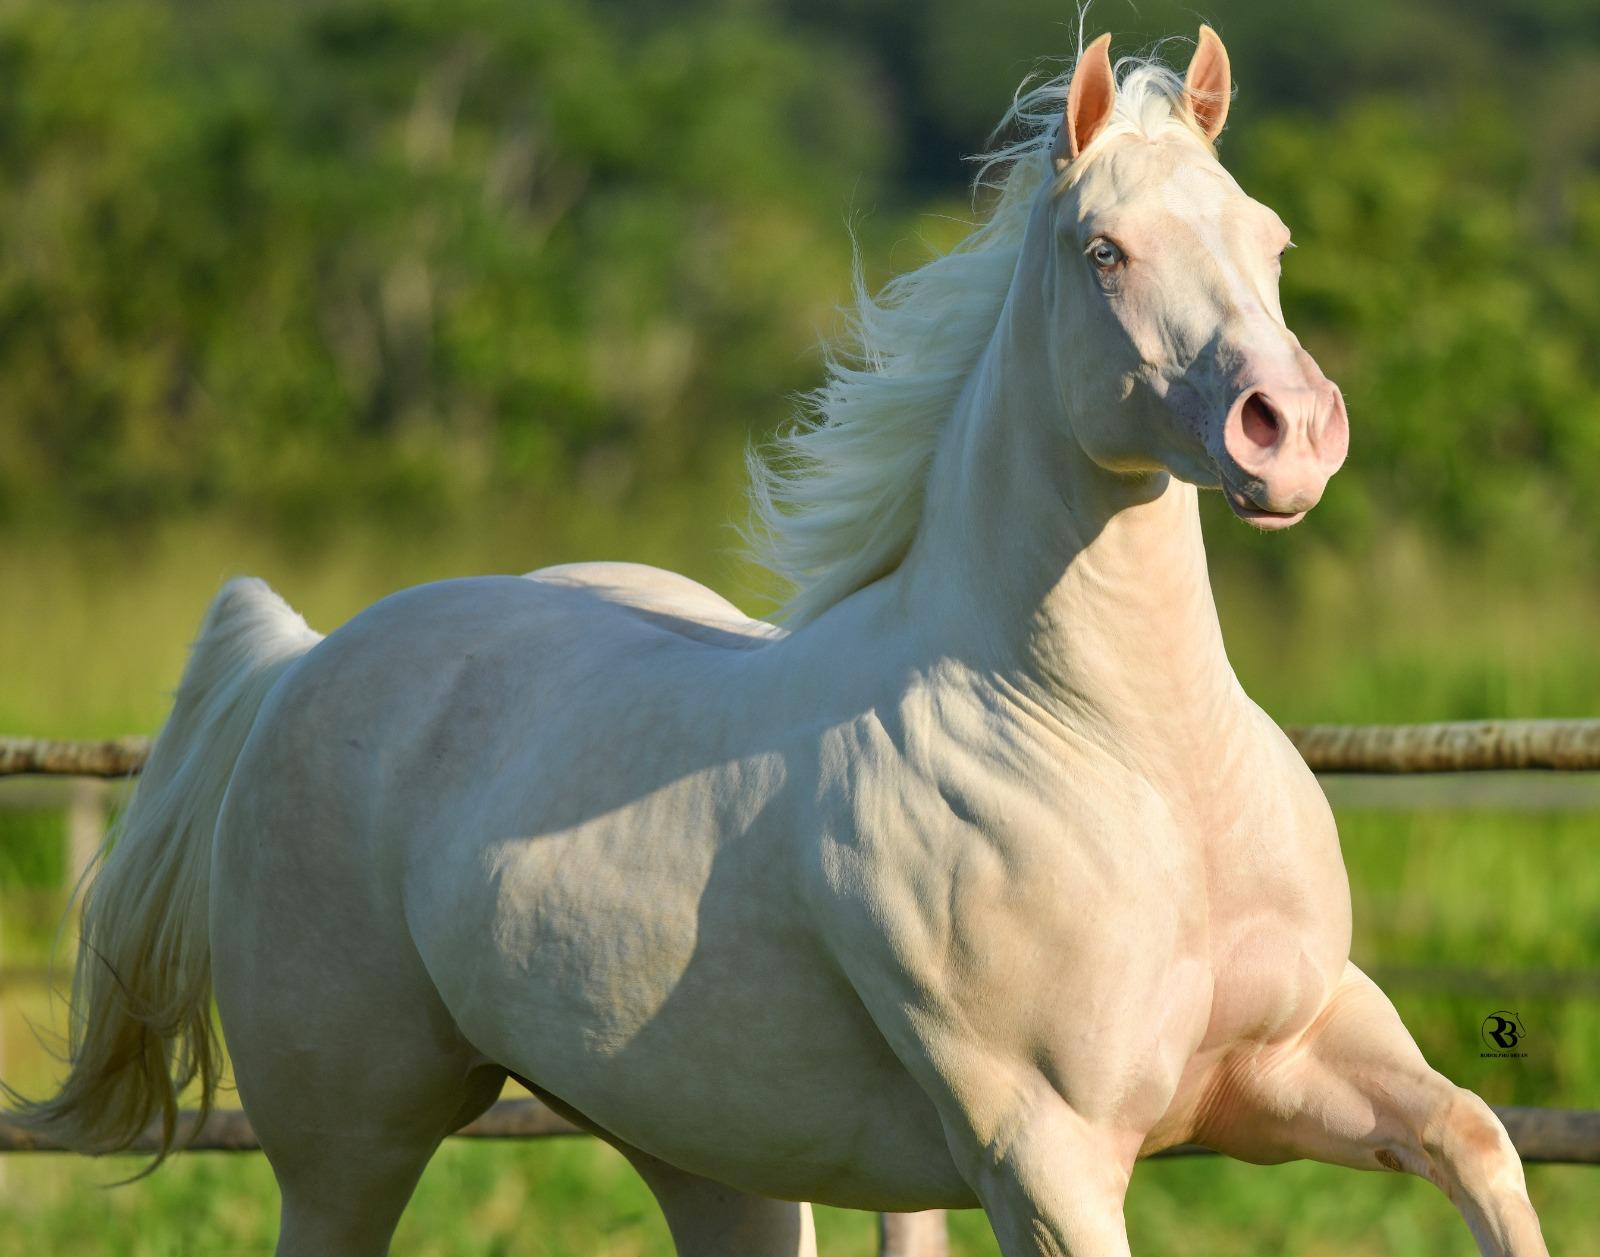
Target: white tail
<point>141,1027</point>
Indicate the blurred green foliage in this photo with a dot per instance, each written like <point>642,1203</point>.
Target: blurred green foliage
<point>1449,288</point>
<point>385,255</point>
<point>405,260</point>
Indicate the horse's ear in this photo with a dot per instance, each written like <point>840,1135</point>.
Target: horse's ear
<point>1208,85</point>
<point>1090,100</point>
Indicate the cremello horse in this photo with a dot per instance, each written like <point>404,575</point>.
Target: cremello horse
<point>979,884</point>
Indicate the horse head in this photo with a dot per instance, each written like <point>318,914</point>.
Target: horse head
<point>1162,291</point>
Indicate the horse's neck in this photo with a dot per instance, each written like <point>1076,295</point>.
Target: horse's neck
<point>1087,590</point>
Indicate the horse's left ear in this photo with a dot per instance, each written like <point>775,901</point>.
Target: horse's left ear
<point>1208,84</point>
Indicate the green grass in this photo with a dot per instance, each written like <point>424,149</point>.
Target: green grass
<point>579,1199</point>
<point>99,640</point>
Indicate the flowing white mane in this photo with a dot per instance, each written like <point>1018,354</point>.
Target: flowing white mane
<point>836,503</point>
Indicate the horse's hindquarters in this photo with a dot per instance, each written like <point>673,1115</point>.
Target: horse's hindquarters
<point>345,1058</point>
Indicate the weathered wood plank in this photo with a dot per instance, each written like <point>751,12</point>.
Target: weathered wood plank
<point>1567,1136</point>
<point>1450,746</point>
<point>113,757</point>
<point>228,1130</point>
<point>913,1234</point>
<point>1542,1136</point>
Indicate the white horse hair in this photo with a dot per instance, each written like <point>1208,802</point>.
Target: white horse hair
<point>836,504</point>
<point>147,912</point>
<point>979,885</point>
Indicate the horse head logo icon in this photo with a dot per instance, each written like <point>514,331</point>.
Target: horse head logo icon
<point>1502,1031</point>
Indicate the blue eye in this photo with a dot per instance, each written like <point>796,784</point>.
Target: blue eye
<point>1104,254</point>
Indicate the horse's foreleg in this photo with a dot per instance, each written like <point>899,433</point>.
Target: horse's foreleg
<point>1354,1090</point>
<point>709,1220</point>
<point>1051,1183</point>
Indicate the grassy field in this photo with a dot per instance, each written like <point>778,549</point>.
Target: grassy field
<point>94,641</point>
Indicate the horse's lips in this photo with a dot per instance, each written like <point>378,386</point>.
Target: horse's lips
<point>1266,521</point>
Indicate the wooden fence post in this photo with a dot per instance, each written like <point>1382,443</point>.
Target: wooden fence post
<point>86,827</point>
<point>913,1234</point>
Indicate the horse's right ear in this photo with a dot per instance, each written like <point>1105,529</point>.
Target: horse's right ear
<point>1090,101</point>
<point>1208,84</point>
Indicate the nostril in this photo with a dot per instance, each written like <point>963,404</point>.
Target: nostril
<point>1260,422</point>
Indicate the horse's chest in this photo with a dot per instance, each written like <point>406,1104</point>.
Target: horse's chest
<point>1278,917</point>
<point>1117,934</point>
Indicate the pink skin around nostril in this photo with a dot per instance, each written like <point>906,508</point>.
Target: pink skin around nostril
<point>1260,422</point>
<point>1333,442</point>
<point>1280,446</point>
<point>1280,428</point>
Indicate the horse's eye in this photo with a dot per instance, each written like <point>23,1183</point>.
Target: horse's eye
<point>1104,254</point>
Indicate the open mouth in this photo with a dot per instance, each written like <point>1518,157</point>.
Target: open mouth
<point>1245,507</point>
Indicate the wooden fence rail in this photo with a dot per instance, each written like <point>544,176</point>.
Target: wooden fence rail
<point>1451,746</point>
<point>1561,1136</point>
<point>1446,747</point>
<point>113,757</point>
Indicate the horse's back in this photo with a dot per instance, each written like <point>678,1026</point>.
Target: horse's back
<point>486,684</point>
<point>666,599</point>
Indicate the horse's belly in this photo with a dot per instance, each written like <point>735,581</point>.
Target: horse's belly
<point>784,1095</point>
<point>675,996</point>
